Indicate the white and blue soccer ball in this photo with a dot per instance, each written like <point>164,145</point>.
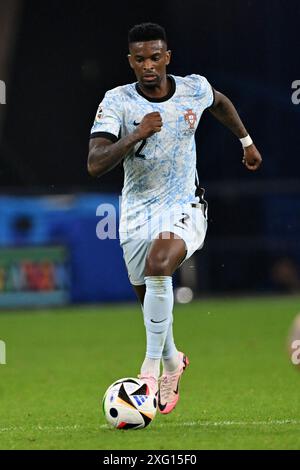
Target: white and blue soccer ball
<point>129,404</point>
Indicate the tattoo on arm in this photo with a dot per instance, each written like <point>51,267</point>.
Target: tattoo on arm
<point>225,112</point>
<point>104,155</point>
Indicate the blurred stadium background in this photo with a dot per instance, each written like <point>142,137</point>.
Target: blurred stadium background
<point>57,59</point>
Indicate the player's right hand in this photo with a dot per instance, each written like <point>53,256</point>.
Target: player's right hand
<point>149,125</point>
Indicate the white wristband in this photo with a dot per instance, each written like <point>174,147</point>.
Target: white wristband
<point>246,141</point>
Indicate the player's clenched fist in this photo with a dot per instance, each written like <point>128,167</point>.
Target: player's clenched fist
<point>150,124</point>
<point>252,158</point>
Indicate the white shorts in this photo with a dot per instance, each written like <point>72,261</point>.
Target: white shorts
<point>189,223</point>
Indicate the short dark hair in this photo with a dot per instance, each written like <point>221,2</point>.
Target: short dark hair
<point>146,32</point>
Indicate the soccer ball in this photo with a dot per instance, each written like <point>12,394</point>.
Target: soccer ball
<point>129,404</point>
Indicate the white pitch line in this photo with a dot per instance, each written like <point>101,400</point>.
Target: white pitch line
<point>223,423</point>
<point>77,427</point>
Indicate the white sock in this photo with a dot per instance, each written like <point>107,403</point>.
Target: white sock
<point>171,364</point>
<point>170,353</point>
<point>151,367</point>
<point>157,308</point>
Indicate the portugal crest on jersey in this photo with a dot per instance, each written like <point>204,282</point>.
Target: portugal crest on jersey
<point>190,118</point>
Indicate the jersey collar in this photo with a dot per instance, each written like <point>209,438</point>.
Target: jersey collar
<point>163,98</point>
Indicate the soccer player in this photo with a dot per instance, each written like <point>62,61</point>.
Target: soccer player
<point>150,125</point>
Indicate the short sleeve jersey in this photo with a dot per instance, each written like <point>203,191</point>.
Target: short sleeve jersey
<point>159,172</point>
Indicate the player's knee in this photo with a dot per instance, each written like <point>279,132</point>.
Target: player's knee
<point>157,265</point>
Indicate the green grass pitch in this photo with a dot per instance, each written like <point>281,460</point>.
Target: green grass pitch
<point>240,392</point>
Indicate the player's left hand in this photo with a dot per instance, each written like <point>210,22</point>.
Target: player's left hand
<point>252,158</point>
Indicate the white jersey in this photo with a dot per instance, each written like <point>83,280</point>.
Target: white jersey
<point>160,171</point>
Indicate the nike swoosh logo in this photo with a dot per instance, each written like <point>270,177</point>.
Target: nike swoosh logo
<point>153,321</point>
<point>161,407</point>
<point>136,123</point>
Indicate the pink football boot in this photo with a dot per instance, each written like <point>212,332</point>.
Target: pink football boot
<point>168,394</point>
